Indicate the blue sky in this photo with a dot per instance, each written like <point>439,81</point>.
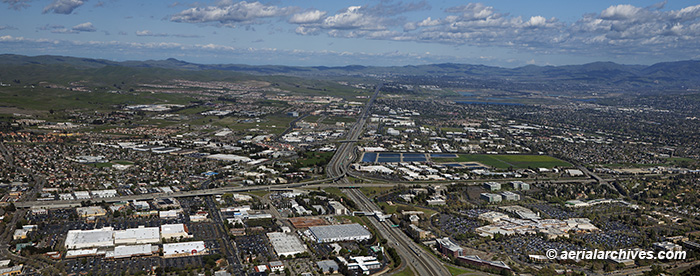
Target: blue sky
<point>332,33</point>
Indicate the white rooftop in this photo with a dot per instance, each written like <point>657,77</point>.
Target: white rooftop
<point>183,248</point>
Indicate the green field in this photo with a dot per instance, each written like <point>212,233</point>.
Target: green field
<point>398,207</point>
<point>458,270</point>
<point>405,272</point>
<point>504,161</point>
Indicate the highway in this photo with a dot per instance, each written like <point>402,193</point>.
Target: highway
<point>423,263</point>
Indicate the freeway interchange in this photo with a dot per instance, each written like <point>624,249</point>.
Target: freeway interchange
<point>423,263</point>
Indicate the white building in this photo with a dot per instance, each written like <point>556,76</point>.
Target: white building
<point>174,231</point>
<point>337,208</point>
<point>184,249</point>
<point>128,251</point>
<point>285,244</point>
<point>78,239</point>
<point>140,235</point>
<point>342,232</point>
<point>510,196</point>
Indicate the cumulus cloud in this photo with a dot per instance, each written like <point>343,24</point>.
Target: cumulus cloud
<point>63,6</point>
<point>60,29</point>
<point>307,17</point>
<point>620,12</point>
<point>353,18</point>
<point>17,4</point>
<point>231,13</point>
<point>84,27</point>
<point>304,30</point>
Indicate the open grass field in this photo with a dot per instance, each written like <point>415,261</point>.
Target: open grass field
<point>398,207</point>
<point>504,161</point>
<point>405,272</point>
<point>458,270</point>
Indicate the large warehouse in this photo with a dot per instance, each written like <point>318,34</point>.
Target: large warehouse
<point>140,235</point>
<point>285,244</point>
<point>342,232</point>
<point>77,239</point>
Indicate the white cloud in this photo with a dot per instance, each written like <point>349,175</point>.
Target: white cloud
<point>303,30</point>
<point>353,18</point>
<point>63,6</point>
<point>227,13</point>
<point>620,12</point>
<point>84,27</point>
<point>537,21</point>
<point>307,17</point>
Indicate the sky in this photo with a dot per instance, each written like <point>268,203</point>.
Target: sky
<point>337,33</point>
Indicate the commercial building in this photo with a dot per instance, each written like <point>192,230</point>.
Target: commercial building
<point>140,235</point>
<point>510,196</point>
<point>342,232</point>
<point>489,197</point>
<point>337,208</point>
<point>667,246</point>
<point>128,251</point>
<point>492,217</point>
<point>78,253</point>
<point>79,239</point>
<point>328,266</point>
<point>492,186</point>
<point>91,211</point>
<point>419,233</point>
<point>174,231</point>
<point>170,214</point>
<point>574,172</point>
<point>184,249</point>
<point>449,248</point>
<point>286,244</point>
<point>519,185</point>
<point>276,266</point>
<point>364,263</point>
<point>436,200</point>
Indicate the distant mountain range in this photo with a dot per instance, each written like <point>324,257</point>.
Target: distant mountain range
<point>679,75</point>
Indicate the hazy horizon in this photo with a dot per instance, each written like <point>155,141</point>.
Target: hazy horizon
<point>370,32</point>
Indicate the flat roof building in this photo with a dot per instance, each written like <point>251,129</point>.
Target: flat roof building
<point>78,239</point>
<point>328,266</point>
<point>519,185</point>
<point>449,248</point>
<point>173,231</point>
<point>491,197</point>
<point>510,196</point>
<point>140,235</point>
<point>286,244</point>
<point>342,232</point>
<point>91,211</point>
<point>492,186</point>
<point>337,208</point>
<point>184,249</point>
<point>128,251</point>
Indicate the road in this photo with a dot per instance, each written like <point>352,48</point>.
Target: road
<point>228,247</point>
<point>423,263</point>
